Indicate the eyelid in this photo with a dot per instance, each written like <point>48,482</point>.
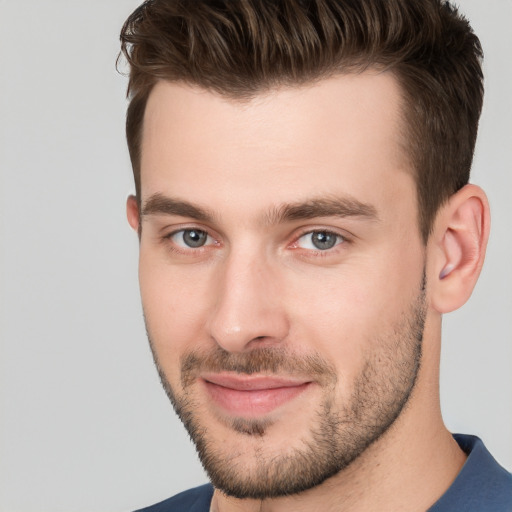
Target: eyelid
<point>170,229</point>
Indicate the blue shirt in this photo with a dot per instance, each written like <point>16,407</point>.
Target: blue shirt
<point>481,486</point>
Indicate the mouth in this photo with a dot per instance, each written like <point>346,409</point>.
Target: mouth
<point>251,396</point>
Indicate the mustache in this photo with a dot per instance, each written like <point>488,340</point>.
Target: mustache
<point>263,360</point>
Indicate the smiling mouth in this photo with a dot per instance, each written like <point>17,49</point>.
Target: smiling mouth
<point>251,396</point>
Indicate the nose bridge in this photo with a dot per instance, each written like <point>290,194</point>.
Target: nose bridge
<point>247,309</point>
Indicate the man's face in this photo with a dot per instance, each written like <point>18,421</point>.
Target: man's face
<point>282,274</point>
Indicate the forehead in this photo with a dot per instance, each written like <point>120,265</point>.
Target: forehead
<point>338,136</point>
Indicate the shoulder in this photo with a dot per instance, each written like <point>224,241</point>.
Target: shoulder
<point>194,500</point>
<point>482,484</point>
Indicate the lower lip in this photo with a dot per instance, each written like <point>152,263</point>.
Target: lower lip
<point>252,403</point>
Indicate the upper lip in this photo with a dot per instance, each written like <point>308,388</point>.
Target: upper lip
<point>251,382</point>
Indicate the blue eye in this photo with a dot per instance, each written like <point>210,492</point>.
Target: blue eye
<point>319,240</point>
<point>190,238</point>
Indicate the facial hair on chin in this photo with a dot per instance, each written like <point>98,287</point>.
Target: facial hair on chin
<point>341,433</point>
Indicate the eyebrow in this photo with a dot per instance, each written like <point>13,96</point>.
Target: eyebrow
<point>322,207</point>
<point>159,204</point>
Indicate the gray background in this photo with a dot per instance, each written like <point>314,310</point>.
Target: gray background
<point>84,424</point>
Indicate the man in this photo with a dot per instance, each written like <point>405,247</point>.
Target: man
<point>305,220</point>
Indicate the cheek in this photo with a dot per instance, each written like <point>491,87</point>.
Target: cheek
<point>174,302</point>
<point>335,322</point>
<point>346,316</point>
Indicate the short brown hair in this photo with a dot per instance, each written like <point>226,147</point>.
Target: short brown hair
<point>240,48</point>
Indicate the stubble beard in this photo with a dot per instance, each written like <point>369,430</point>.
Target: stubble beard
<point>342,432</point>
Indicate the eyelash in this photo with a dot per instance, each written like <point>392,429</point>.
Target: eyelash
<point>191,251</point>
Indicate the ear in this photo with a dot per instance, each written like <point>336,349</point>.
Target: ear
<point>132,213</point>
<point>457,248</point>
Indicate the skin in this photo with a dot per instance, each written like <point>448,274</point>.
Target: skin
<point>258,283</point>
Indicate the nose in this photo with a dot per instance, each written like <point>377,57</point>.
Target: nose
<point>249,310</point>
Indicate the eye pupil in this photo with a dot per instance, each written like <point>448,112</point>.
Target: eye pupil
<point>194,237</point>
<point>323,240</point>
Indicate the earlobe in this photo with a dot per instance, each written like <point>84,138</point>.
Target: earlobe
<point>132,213</point>
<point>459,241</point>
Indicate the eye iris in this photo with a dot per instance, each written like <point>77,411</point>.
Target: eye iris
<point>322,240</point>
<point>194,237</point>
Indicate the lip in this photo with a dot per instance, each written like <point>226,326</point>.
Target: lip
<point>251,396</point>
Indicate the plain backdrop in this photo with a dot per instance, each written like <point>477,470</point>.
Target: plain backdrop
<point>84,423</point>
